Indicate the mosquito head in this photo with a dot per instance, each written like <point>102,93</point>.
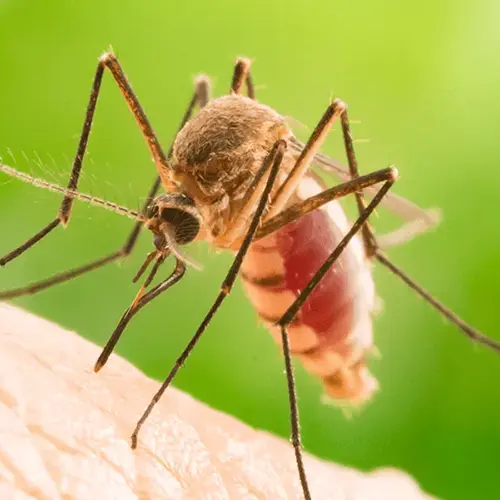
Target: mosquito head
<point>174,220</point>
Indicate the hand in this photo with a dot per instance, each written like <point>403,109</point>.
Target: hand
<point>65,432</point>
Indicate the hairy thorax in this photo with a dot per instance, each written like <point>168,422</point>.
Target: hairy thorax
<point>217,154</point>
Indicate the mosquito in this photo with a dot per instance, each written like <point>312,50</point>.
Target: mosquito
<point>237,178</point>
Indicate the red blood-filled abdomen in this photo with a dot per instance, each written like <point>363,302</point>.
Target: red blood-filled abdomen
<point>333,330</point>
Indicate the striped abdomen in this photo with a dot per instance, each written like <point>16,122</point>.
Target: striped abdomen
<point>333,330</point>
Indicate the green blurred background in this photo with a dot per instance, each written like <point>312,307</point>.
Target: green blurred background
<point>423,80</point>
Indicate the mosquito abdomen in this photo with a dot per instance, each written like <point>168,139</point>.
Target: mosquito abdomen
<point>333,330</point>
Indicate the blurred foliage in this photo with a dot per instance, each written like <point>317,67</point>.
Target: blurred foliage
<point>421,79</point>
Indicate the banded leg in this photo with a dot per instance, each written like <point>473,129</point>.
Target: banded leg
<point>199,98</point>
<point>273,162</point>
<point>373,250</point>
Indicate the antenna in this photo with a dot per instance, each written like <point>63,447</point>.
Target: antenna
<point>87,198</point>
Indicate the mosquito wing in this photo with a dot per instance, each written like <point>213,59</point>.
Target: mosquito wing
<point>417,220</point>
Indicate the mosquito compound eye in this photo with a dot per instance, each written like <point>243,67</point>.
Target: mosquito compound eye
<point>152,211</point>
<point>179,211</point>
<point>185,224</point>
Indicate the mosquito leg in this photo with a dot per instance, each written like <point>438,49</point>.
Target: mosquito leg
<point>468,330</point>
<point>407,231</point>
<point>139,302</point>
<point>298,210</point>
<point>200,98</point>
<point>248,202</point>
<point>203,90</point>
<point>366,231</point>
<point>273,161</point>
<point>60,278</point>
<point>200,94</point>
<point>292,311</point>
<point>373,250</point>
<point>419,220</point>
<point>242,75</point>
<point>65,209</point>
<point>291,183</point>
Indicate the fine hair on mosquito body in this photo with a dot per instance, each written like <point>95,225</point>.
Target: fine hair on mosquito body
<point>237,178</point>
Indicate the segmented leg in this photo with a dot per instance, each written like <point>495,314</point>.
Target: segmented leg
<point>298,210</point>
<point>200,97</point>
<point>140,300</point>
<point>307,154</point>
<point>373,250</point>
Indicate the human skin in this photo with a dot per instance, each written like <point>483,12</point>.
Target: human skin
<point>65,433</point>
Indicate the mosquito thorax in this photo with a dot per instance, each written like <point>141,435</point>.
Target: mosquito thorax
<point>175,214</point>
<point>217,154</point>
